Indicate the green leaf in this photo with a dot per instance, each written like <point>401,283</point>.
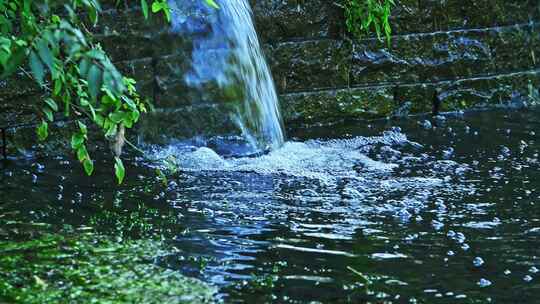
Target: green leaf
<point>57,87</point>
<point>93,14</point>
<point>93,113</point>
<point>76,141</point>
<point>119,170</point>
<point>16,60</point>
<point>212,3</point>
<point>43,130</point>
<point>51,103</point>
<point>88,165</point>
<point>156,7</point>
<point>111,130</point>
<point>82,126</point>
<point>84,67</point>
<point>45,54</point>
<point>82,153</point>
<point>55,19</point>
<point>161,176</point>
<point>135,114</point>
<point>117,117</point>
<point>4,58</point>
<point>144,6</point>
<point>98,119</point>
<point>37,67</point>
<point>94,81</point>
<point>48,113</point>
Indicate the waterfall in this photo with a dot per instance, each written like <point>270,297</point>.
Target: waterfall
<point>226,54</point>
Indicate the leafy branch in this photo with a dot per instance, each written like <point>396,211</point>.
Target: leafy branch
<point>81,82</point>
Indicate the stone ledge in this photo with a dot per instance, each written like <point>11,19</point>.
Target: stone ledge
<point>367,102</point>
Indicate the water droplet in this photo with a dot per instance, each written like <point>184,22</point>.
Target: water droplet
<point>478,261</point>
<point>484,283</point>
<point>448,153</point>
<point>437,225</point>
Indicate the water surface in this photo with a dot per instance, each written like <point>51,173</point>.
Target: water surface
<point>414,211</point>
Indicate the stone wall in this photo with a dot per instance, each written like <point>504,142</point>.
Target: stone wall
<point>463,54</point>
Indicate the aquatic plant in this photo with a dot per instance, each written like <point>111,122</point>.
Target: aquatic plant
<point>40,266</point>
<point>365,16</point>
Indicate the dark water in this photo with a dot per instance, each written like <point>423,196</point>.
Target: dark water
<point>445,211</point>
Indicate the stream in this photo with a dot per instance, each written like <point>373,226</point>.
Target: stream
<point>424,210</point>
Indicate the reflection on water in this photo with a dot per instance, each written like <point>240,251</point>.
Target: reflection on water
<point>410,212</point>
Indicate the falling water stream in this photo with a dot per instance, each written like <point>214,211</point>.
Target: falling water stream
<point>229,55</point>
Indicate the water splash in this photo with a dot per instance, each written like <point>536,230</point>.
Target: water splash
<point>227,53</point>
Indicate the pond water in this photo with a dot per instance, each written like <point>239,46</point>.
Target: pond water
<point>415,211</point>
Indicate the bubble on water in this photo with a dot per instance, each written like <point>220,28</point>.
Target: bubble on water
<point>404,215</point>
<point>448,153</point>
<point>465,247</point>
<point>507,272</point>
<point>450,253</point>
<point>478,261</point>
<point>484,283</point>
<point>527,278</point>
<point>533,270</point>
<point>437,225</point>
<point>39,167</point>
<point>351,193</point>
<point>316,159</point>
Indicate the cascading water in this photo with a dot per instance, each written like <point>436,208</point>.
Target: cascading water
<point>227,54</point>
